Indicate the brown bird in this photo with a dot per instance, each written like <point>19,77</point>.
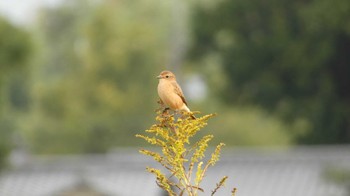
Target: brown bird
<point>170,92</point>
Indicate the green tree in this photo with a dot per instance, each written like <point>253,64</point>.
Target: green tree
<point>15,50</point>
<point>95,84</point>
<point>14,47</point>
<point>289,56</point>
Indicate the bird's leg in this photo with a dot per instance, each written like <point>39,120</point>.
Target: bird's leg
<point>179,114</point>
<point>161,104</point>
<point>165,111</point>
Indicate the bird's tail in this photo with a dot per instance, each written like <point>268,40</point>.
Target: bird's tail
<point>185,108</point>
<point>193,117</point>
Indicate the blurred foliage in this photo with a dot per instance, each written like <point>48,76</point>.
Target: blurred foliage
<point>15,51</point>
<point>251,126</point>
<point>339,176</point>
<point>291,57</point>
<point>5,141</point>
<point>14,48</point>
<point>91,84</point>
<point>94,86</point>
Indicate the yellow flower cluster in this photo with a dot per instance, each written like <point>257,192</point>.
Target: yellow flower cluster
<point>177,155</point>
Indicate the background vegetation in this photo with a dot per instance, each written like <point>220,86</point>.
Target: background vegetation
<point>81,78</point>
<point>291,57</point>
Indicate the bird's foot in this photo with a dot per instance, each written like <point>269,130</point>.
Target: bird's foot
<point>165,112</point>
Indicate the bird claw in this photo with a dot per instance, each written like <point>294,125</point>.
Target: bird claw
<point>165,112</point>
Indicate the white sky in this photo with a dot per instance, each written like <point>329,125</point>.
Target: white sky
<point>23,12</point>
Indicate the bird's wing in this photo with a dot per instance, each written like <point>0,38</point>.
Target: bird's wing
<point>178,91</point>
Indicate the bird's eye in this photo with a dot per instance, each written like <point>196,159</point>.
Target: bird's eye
<point>167,76</point>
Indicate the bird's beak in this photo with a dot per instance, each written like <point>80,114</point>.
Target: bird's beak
<point>159,77</point>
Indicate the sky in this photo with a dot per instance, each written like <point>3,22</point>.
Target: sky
<point>23,12</point>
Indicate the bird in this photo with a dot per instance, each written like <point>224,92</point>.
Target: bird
<point>170,93</point>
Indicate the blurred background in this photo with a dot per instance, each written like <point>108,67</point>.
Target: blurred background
<point>78,81</point>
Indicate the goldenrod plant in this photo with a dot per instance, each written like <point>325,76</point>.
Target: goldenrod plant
<point>183,158</point>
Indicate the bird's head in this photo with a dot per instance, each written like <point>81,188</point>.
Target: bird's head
<point>167,75</point>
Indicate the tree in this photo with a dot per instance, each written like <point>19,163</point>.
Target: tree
<point>94,87</point>
<point>289,56</point>
<point>15,51</point>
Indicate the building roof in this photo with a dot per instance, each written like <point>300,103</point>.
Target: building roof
<point>254,172</point>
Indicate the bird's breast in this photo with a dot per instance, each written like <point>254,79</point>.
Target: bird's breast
<point>168,95</point>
